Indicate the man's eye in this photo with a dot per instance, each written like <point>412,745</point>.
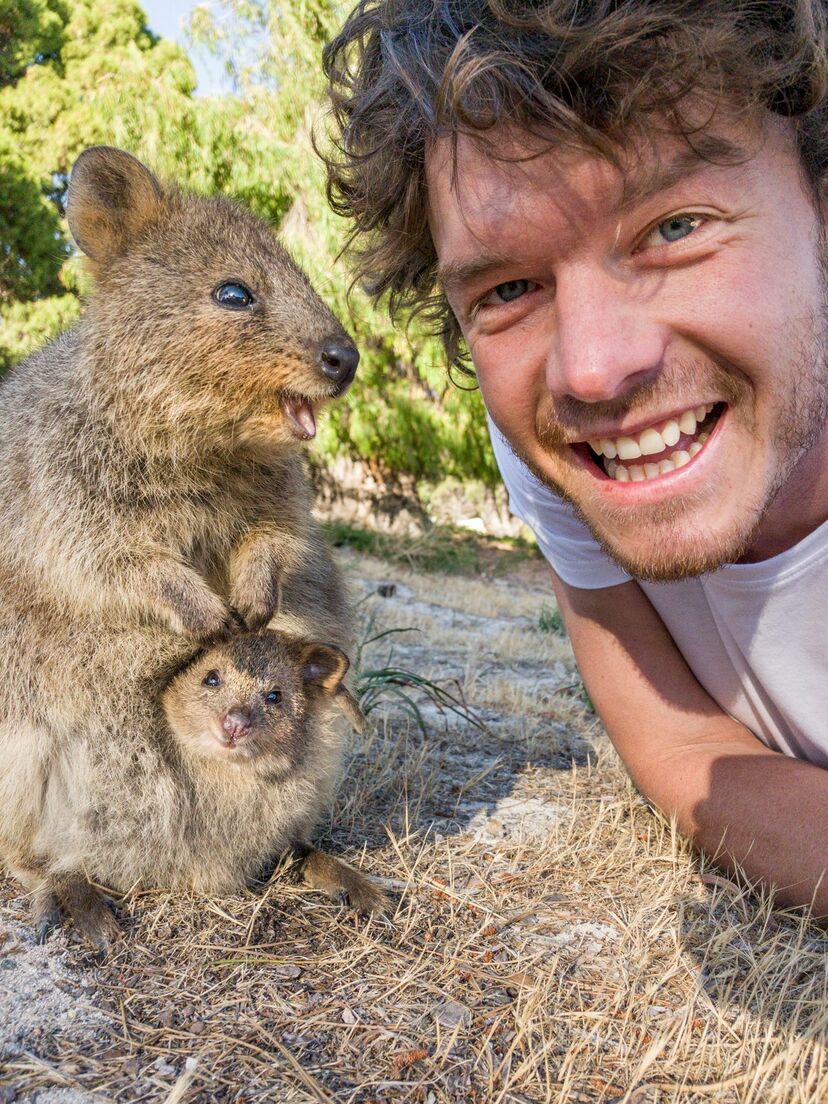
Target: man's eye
<point>673,229</point>
<point>512,289</point>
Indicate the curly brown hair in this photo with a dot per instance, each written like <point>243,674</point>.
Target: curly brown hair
<point>403,73</point>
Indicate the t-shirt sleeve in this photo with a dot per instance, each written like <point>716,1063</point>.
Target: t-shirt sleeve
<point>567,544</point>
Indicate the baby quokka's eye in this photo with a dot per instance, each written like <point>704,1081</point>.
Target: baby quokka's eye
<point>234,296</point>
<point>273,697</point>
<point>212,678</point>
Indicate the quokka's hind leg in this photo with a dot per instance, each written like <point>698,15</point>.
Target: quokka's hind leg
<point>339,881</point>
<point>87,908</point>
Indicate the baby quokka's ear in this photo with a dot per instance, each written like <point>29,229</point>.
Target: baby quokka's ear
<point>112,198</point>
<point>323,665</point>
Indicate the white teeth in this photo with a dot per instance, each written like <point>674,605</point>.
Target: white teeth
<point>627,448</point>
<point>687,422</point>
<point>650,442</point>
<point>671,433</point>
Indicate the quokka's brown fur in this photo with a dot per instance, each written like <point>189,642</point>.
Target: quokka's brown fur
<point>150,480</point>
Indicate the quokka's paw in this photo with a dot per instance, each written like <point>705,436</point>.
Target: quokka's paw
<point>255,615</point>
<point>343,884</point>
<point>210,620</point>
<point>46,914</point>
<point>255,594</point>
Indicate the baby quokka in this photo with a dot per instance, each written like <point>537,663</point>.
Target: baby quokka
<point>237,774</point>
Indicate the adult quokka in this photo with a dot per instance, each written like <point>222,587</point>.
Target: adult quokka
<point>152,488</point>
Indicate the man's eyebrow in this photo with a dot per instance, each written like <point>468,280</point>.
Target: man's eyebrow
<point>706,149</point>
<point>456,273</point>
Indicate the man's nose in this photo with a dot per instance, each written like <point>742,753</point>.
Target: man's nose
<point>607,340</point>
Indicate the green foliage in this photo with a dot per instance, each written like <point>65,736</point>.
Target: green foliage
<point>27,326</point>
<point>74,73</point>
<point>439,548</point>
<point>550,620</point>
<point>403,689</point>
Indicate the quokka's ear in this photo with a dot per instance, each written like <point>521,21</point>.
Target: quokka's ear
<point>323,665</point>
<point>112,197</point>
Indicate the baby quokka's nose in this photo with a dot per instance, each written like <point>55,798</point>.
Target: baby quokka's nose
<point>338,360</point>
<point>236,724</point>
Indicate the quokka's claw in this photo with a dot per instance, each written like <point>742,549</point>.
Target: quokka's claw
<point>46,915</point>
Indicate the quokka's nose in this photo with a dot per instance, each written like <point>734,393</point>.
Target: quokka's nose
<point>338,361</point>
<point>236,722</point>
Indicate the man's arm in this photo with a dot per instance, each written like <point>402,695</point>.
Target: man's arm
<point>739,801</point>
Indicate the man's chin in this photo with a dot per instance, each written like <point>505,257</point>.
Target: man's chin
<point>669,551</point>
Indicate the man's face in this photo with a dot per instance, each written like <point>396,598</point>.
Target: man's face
<point>651,340</point>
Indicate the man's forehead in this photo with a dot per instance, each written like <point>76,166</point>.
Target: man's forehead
<point>495,168</point>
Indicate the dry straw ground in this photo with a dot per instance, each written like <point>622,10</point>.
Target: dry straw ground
<point>552,939</point>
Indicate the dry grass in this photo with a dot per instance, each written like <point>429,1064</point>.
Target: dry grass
<point>580,957</point>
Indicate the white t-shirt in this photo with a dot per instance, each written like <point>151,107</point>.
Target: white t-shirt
<point>752,634</point>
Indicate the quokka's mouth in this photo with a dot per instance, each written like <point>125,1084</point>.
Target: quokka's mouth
<point>299,413</point>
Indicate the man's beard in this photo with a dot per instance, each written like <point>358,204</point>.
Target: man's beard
<point>801,402</point>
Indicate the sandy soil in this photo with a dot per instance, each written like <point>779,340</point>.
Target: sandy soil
<point>551,940</point>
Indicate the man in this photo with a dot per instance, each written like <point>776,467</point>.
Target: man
<point>618,207</point>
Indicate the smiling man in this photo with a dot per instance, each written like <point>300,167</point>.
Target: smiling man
<point>618,208</point>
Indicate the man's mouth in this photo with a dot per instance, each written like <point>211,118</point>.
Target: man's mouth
<point>657,449</point>
<point>299,414</point>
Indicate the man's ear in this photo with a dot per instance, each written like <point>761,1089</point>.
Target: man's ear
<point>112,197</point>
<point>323,665</point>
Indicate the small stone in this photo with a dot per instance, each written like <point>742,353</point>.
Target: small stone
<point>164,1067</point>
<point>349,1016</point>
<point>132,1067</point>
<point>167,1018</point>
<point>285,971</point>
<point>452,1013</point>
<point>197,1027</point>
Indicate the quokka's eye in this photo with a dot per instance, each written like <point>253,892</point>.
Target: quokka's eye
<point>273,697</point>
<point>234,296</point>
<point>212,678</point>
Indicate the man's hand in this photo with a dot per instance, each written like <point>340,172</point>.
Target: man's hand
<point>740,802</point>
